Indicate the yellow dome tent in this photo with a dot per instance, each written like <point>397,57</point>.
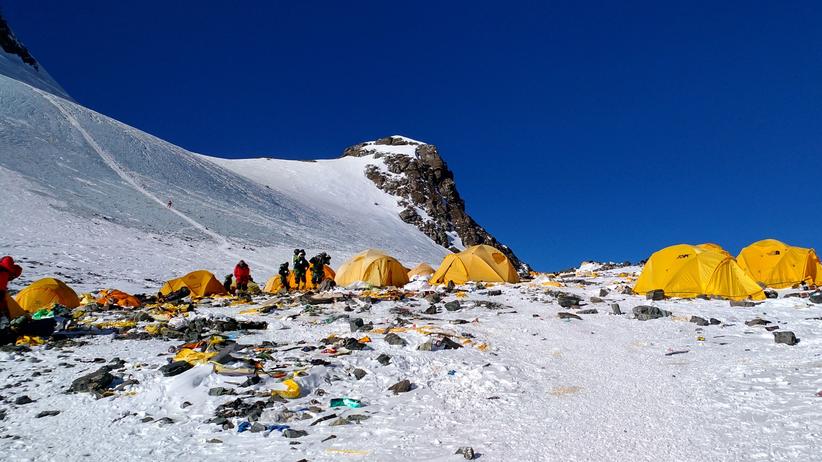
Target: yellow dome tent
<point>780,265</point>
<point>274,285</point>
<point>45,293</point>
<point>478,263</point>
<point>201,284</point>
<point>423,269</point>
<point>687,271</point>
<point>373,267</point>
<point>15,311</point>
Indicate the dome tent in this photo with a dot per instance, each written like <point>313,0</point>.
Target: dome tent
<point>687,271</point>
<point>201,283</point>
<point>45,293</point>
<point>421,270</point>
<point>373,267</point>
<point>478,263</point>
<point>780,265</point>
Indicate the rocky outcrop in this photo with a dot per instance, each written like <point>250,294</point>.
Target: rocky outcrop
<point>11,45</point>
<point>415,173</point>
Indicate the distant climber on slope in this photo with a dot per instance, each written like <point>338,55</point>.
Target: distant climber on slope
<point>242,273</point>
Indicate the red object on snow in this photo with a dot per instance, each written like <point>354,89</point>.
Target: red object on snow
<point>8,271</point>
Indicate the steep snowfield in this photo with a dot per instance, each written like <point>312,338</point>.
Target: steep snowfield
<point>13,66</point>
<point>98,173</point>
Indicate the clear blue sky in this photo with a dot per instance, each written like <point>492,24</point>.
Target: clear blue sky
<point>575,130</point>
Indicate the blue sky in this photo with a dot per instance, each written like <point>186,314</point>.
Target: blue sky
<point>576,130</point>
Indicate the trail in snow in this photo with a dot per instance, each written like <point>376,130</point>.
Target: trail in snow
<point>108,159</point>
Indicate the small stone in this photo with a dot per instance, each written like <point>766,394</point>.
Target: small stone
<point>815,297</point>
<point>257,427</point>
<point>655,295</point>
<point>588,311</point>
<point>384,359</point>
<point>355,324</point>
<point>220,391</point>
<point>359,373</point>
<point>46,414</point>
<point>453,305</point>
<point>645,313</point>
<point>699,321</point>
<point>357,418</point>
<point>215,441</point>
<point>603,292</point>
<point>20,400</point>
<point>568,300</point>
<point>165,421</point>
<point>402,386</point>
<point>564,315</point>
<point>466,452</point>
<point>432,298</point>
<point>431,310</point>
<point>714,321</point>
<point>394,339</point>
<point>95,383</point>
<point>175,368</point>
<point>494,293</point>
<point>340,421</point>
<point>596,300</point>
<point>291,433</point>
<point>757,322</point>
<point>770,293</point>
<point>742,303</point>
<point>787,337</point>
<point>615,309</point>
<point>147,419</point>
<point>185,404</point>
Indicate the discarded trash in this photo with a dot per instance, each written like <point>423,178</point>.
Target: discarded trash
<point>348,402</point>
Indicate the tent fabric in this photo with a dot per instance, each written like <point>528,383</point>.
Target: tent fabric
<point>713,247</point>
<point>201,283</point>
<point>779,265</point>
<point>479,263</point>
<point>373,267</point>
<point>423,269</point>
<point>687,271</point>
<point>274,285</point>
<point>118,297</point>
<point>45,293</point>
<point>15,311</point>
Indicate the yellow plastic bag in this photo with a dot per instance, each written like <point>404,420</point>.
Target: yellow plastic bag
<point>292,390</point>
<point>29,341</point>
<point>194,357</point>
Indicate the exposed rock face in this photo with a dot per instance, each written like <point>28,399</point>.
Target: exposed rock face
<point>11,45</point>
<point>425,186</point>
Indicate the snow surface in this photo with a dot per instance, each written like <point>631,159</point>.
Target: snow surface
<point>602,388</point>
<point>13,66</point>
<point>92,173</point>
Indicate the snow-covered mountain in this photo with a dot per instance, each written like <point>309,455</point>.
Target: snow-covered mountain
<point>87,191</point>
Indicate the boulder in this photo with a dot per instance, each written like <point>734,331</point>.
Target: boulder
<point>657,294</point>
<point>402,386</point>
<point>699,321</point>
<point>645,312</point>
<point>785,336</point>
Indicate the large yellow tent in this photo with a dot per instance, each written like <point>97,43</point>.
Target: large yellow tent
<point>45,293</point>
<point>373,267</point>
<point>780,265</point>
<point>201,283</point>
<point>713,247</point>
<point>274,285</point>
<point>423,269</point>
<point>478,263</point>
<point>688,271</point>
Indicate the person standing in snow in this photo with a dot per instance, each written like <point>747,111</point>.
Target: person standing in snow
<point>300,268</point>
<point>242,273</point>
<point>318,268</point>
<point>284,276</point>
<point>8,272</point>
<point>228,282</point>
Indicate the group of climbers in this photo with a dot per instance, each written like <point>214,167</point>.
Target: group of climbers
<point>301,268</point>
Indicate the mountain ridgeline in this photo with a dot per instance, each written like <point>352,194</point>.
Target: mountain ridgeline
<point>427,193</point>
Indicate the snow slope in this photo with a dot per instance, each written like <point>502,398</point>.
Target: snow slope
<point>86,167</point>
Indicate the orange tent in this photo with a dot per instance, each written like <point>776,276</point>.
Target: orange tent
<point>118,297</point>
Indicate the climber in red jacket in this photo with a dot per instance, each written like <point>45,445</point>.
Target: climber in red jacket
<point>8,271</point>
<point>242,273</point>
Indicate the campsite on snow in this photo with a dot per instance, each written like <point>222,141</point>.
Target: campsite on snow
<point>160,303</point>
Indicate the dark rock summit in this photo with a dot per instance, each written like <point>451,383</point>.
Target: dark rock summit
<point>428,194</point>
<point>10,44</point>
